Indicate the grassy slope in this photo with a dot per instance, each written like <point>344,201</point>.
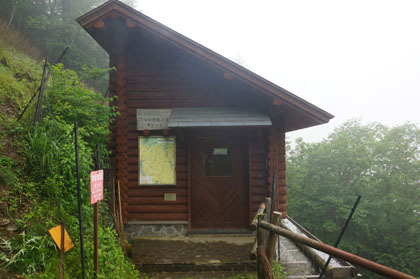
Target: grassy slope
<point>19,78</point>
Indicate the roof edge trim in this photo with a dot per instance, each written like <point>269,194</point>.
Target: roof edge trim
<point>316,113</point>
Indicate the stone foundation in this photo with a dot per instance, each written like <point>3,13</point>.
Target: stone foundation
<point>134,230</point>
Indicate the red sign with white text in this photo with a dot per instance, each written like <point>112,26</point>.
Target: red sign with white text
<point>96,186</point>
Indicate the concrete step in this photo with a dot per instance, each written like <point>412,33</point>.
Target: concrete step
<point>303,277</point>
<point>199,275</point>
<point>299,268</point>
<point>288,244</point>
<point>210,267</point>
<point>292,255</point>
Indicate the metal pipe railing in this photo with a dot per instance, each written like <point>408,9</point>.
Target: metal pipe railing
<point>351,258</point>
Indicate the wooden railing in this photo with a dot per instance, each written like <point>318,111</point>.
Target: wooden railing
<point>264,245</point>
<point>265,242</point>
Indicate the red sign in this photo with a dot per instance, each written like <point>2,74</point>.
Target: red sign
<point>96,186</point>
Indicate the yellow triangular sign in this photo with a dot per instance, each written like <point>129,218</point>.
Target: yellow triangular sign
<point>56,235</point>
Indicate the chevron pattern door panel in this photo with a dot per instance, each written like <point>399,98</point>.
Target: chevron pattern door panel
<point>219,186</point>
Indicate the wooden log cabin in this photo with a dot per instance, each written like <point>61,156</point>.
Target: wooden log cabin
<point>199,138</point>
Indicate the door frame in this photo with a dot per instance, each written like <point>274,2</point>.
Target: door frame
<point>192,134</point>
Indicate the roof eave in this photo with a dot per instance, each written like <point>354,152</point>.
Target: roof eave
<point>316,113</point>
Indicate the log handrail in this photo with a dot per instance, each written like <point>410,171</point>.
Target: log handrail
<point>351,258</point>
<point>254,222</point>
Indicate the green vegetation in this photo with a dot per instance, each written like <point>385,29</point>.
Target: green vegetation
<point>37,181</point>
<point>37,172</point>
<point>383,165</point>
<point>277,269</point>
<point>51,26</point>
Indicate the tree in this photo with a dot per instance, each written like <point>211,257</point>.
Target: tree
<point>381,164</point>
<point>51,26</point>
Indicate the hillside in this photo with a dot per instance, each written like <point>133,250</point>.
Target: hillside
<point>37,169</point>
<point>19,77</point>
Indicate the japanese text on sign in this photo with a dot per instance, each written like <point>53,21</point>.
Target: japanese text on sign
<point>96,186</point>
<point>153,119</point>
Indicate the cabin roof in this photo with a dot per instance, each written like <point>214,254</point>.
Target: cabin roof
<point>304,114</point>
<point>217,117</point>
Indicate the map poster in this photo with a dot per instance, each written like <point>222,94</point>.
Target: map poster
<point>157,161</point>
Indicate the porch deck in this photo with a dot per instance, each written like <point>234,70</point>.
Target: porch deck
<point>197,253</point>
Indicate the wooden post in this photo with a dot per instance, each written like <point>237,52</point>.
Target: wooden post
<point>265,265</point>
<point>95,240</point>
<point>267,218</point>
<point>119,204</point>
<point>259,244</point>
<point>272,237</point>
<point>62,251</point>
<point>268,209</point>
<point>264,233</point>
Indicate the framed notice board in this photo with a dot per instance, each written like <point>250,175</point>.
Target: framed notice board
<point>157,161</point>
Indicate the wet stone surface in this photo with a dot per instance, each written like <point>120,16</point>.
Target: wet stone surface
<point>200,275</point>
<point>198,255</point>
<point>136,230</point>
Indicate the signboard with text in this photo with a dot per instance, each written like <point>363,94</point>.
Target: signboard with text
<point>96,186</point>
<point>153,119</point>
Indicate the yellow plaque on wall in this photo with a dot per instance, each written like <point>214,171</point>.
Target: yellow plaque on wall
<point>169,197</point>
<point>157,161</point>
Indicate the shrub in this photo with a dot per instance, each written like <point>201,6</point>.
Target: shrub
<point>49,187</point>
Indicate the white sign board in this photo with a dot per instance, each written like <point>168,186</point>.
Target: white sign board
<point>96,186</point>
<point>153,119</point>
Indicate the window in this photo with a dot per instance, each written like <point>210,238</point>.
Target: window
<point>157,161</point>
<point>217,161</point>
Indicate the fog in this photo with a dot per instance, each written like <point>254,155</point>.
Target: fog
<point>354,59</point>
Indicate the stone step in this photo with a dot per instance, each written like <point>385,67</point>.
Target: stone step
<point>288,245</point>
<point>303,277</point>
<point>292,255</point>
<point>199,275</point>
<point>299,268</point>
<point>215,267</point>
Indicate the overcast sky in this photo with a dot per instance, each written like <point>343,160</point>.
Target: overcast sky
<point>354,59</point>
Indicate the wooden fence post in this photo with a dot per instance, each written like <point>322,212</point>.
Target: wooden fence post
<point>268,209</point>
<point>265,265</point>
<point>272,237</point>
<point>259,244</point>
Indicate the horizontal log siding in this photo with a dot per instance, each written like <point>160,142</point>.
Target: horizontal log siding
<point>166,78</point>
<point>257,172</point>
<point>152,83</point>
<point>146,203</point>
<point>277,164</point>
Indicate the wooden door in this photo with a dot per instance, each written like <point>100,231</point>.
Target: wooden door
<point>219,185</point>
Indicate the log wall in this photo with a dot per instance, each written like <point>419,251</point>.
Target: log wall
<point>277,165</point>
<point>166,78</point>
<point>257,171</point>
